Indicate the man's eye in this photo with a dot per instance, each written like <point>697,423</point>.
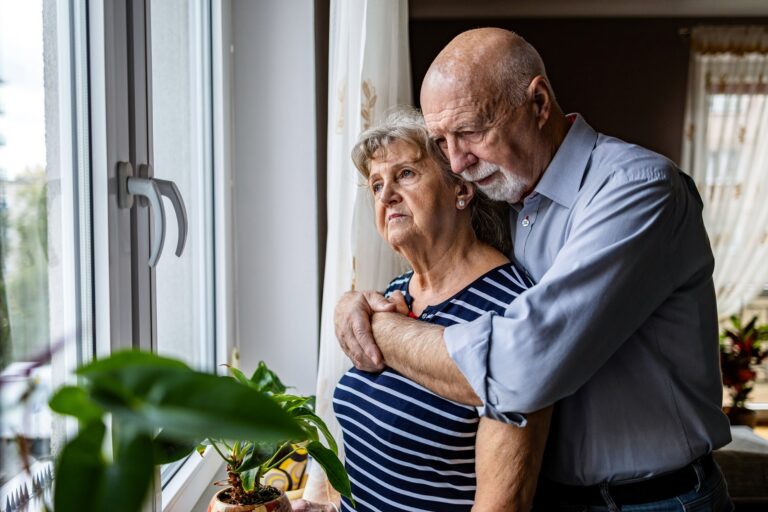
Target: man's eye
<point>471,135</point>
<point>442,144</point>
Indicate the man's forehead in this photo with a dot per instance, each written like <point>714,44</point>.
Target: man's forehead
<point>451,115</point>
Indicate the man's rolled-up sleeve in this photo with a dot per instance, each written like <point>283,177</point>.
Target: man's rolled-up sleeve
<point>468,345</point>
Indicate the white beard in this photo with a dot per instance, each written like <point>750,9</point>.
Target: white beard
<point>505,185</point>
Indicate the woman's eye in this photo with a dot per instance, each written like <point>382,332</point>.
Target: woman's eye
<point>376,188</point>
<point>406,173</point>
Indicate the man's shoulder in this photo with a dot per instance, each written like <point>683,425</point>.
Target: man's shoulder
<point>616,165</point>
<point>615,157</point>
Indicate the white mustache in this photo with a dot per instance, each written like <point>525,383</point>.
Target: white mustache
<point>479,171</point>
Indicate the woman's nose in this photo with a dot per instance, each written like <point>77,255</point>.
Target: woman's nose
<point>388,193</point>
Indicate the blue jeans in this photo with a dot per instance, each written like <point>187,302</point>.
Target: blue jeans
<point>710,495</point>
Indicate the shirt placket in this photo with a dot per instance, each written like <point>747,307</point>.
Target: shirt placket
<point>526,219</point>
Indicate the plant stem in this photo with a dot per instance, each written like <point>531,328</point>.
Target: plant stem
<point>228,461</point>
<point>267,464</point>
<point>281,460</point>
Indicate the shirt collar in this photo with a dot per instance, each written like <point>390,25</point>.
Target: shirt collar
<point>563,176</point>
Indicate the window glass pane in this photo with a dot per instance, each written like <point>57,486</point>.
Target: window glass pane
<point>181,141</point>
<point>181,145</point>
<point>735,121</point>
<point>44,281</point>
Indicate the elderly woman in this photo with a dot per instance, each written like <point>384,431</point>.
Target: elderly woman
<point>407,448</point>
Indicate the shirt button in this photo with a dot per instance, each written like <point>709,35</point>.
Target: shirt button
<point>525,222</point>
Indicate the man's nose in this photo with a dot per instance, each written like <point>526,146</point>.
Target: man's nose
<point>459,157</point>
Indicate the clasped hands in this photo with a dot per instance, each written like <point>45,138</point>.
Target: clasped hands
<point>353,319</point>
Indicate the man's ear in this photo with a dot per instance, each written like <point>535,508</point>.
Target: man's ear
<point>465,192</point>
<point>541,93</point>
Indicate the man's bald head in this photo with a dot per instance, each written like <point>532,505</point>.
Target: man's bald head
<point>489,62</point>
<point>488,104</point>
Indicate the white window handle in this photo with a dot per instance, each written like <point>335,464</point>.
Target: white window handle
<point>153,189</point>
<point>171,191</point>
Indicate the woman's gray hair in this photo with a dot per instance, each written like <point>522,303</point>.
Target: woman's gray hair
<point>490,219</point>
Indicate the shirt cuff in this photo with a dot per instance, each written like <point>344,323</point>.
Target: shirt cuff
<point>469,345</point>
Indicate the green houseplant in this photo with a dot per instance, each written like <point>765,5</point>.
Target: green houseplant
<point>248,461</point>
<point>160,411</point>
<point>742,348</point>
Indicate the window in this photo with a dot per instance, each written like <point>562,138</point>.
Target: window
<point>725,149</point>
<point>45,266</point>
<point>84,95</point>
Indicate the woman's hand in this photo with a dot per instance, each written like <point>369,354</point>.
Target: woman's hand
<point>308,506</point>
<point>398,299</point>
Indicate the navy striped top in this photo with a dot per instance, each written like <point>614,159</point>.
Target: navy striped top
<point>406,447</point>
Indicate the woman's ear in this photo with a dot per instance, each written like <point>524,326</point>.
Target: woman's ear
<point>465,192</point>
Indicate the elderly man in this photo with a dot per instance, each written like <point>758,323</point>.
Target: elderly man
<point>620,330</point>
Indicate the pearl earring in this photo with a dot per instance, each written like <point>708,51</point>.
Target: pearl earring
<point>461,203</point>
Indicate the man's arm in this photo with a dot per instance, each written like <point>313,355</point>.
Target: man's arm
<point>508,461</point>
<point>417,350</point>
<point>637,242</point>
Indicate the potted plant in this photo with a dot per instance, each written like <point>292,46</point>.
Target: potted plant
<point>248,461</point>
<point>741,349</point>
<point>160,410</point>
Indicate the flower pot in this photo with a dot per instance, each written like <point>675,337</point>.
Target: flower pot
<point>281,504</point>
<point>741,416</point>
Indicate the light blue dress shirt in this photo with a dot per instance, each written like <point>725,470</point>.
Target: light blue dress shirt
<point>620,329</point>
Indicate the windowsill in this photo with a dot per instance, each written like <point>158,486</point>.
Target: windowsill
<point>191,481</point>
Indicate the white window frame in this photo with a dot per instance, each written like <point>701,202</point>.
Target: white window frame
<point>124,283</point>
<point>194,477</point>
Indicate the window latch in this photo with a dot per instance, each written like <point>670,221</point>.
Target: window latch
<point>153,189</point>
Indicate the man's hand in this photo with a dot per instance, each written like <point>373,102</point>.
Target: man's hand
<point>352,321</point>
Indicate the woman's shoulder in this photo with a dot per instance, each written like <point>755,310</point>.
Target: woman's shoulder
<point>501,284</point>
<point>509,274</point>
<point>399,283</point>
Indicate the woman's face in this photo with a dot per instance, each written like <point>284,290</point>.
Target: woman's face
<point>415,204</point>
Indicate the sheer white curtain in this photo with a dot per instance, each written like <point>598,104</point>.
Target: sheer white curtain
<point>725,149</point>
<point>369,74</point>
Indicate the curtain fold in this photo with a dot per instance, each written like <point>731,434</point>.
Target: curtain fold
<point>369,74</point>
<point>725,149</point>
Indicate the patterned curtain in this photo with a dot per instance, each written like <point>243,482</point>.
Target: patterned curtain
<point>725,149</point>
<point>369,74</point>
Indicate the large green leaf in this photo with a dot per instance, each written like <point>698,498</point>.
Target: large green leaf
<point>74,401</point>
<point>121,360</point>
<point>167,450</point>
<point>195,405</point>
<point>154,392</point>
<point>333,468</point>
<point>128,478</point>
<point>80,471</point>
